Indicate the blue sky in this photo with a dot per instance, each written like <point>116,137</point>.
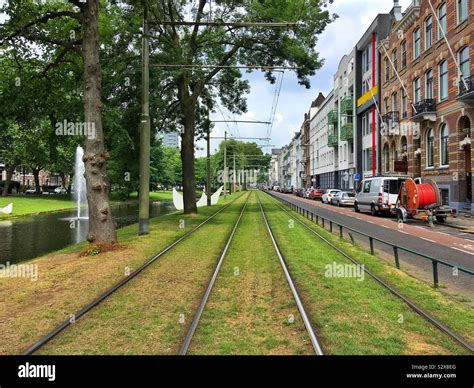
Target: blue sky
<point>355,16</point>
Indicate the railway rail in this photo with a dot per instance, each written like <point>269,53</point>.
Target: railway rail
<point>418,310</point>
<point>106,294</point>
<point>202,305</point>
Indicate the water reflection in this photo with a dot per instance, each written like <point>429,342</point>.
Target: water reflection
<point>28,237</point>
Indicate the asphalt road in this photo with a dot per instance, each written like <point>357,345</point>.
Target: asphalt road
<point>439,242</point>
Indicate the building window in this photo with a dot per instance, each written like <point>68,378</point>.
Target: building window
<point>464,64</point>
<point>386,158</point>
<point>462,10</point>
<point>428,33</point>
<point>429,84</point>
<point>444,133</point>
<point>387,106</point>
<point>395,60</point>
<point>430,148</point>
<point>416,90</point>
<point>416,43</point>
<point>404,104</point>
<point>395,101</point>
<point>443,80</point>
<point>444,196</point>
<point>387,69</point>
<point>394,155</point>
<point>404,54</point>
<point>442,20</point>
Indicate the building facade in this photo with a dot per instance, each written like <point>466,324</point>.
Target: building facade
<point>428,97</point>
<point>367,92</point>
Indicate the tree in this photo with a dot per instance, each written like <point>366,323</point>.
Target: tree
<point>194,91</point>
<point>55,26</point>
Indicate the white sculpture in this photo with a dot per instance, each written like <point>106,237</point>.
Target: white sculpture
<point>179,203</point>
<point>7,209</point>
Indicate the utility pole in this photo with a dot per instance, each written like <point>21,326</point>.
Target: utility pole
<point>208,167</point>
<point>235,187</point>
<point>225,165</point>
<point>144,193</point>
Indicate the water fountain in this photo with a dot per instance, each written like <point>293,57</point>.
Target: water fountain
<point>79,181</point>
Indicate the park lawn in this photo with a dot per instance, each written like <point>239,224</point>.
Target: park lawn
<point>151,314</point>
<point>35,204</point>
<point>251,310</point>
<point>354,317</point>
<point>452,312</point>
<point>67,282</point>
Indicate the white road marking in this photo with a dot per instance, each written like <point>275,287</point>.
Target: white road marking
<point>385,226</point>
<point>401,231</point>
<point>462,250</point>
<point>446,234</point>
<point>427,239</point>
<point>370,222</point>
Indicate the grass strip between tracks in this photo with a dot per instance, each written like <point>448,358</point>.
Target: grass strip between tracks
<point>251,309</point>
<point>352,316</point>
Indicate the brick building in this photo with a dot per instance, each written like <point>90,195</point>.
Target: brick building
<point>427,96</point>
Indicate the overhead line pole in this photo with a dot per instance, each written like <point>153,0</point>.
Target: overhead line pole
<point>144,191</point>
<point>225,165</point>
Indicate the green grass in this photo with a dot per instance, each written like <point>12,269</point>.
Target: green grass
<point>361,317</point>
<point>36,204</point>
<point>68,282</point>
<point>452,312</point>
<point>32,204</point>
<point>250,306</point>
<point>144,316</point>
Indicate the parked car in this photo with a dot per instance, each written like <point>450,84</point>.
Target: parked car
<point>377,194</point>
<point>276,188</point>
<point>326,198</point>
<point>60,190</point>
<point>306,193</point>
<point>30,191</point>
<point>316,194</point>
<point>343,198</point>
<point>299,192</point>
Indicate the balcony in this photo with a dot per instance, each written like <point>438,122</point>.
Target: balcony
<point>466,89</point>
<point>347,106</point>
<point>332,117</point>
<point>332,139</point>
<point>424,110</point>
<point>347,132</point>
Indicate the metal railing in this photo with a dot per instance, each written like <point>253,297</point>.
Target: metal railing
<point>316,218</point>
<point>467,86</point>
<point>424,106</point>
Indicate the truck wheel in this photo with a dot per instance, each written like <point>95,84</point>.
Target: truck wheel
<point>399,216</point>
<point>373,211</point>
<point>356,208</point>
<point>441,219</point>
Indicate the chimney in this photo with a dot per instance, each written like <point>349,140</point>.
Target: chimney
<point>396,11</point>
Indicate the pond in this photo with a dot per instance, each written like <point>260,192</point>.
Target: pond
<point>28,237</point>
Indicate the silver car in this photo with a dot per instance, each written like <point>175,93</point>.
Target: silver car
<point>343,198</point>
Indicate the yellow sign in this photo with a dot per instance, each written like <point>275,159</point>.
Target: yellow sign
<point>367,96</point>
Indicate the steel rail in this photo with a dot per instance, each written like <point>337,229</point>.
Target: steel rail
<point>58,329</point>
<point>195,322</point>
<point>299,303</point>
<point>453,335</point>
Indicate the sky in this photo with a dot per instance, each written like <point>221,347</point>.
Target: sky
<point>355,16</point>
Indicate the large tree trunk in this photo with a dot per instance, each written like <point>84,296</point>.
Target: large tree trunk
<point>36,172</point>
<point>187,158</point>
<point>101,224</point>
<point>10,172</point>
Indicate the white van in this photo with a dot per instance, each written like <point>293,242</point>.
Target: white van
<point>378,194</point>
